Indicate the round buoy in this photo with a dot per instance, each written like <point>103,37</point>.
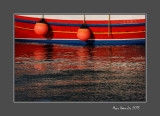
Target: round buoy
<point>83,33</point>
<point>41,27</point>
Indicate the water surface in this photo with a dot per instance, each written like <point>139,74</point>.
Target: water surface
<point>45,72</point>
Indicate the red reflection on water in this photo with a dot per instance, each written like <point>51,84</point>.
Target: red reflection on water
<point>61,57</point>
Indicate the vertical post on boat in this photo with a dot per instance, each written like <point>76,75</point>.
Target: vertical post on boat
<point>109,25</point>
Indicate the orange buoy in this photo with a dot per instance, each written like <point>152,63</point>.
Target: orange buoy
<point>41,27</point>
<point>83,33</point>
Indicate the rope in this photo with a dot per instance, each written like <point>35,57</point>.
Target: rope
<point>84,19</point>
<point>109,25</point>
<point>42,15</point>
<point>93,32</point>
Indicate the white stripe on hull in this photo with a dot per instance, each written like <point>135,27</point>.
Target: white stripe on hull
<point>89,17</point>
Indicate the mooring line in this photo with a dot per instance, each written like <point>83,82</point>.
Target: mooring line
<point>92,32</point>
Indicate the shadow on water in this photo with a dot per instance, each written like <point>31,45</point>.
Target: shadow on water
<point>79,85</point>
<point>48,51</point>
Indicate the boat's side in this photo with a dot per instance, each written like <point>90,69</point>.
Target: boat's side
<point>65,31</point>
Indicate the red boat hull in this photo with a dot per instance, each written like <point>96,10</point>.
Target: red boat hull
<point>67,29</point>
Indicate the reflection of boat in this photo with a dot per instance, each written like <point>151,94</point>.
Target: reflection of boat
<point>118,29</point>
<point>59,57</point>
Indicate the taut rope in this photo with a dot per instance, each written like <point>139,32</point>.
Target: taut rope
<point>109,25</point>
<point>84,19</point>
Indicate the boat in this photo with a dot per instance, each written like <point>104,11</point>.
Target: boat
<point>63,29</point>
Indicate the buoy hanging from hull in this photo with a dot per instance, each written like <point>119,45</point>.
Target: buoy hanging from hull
<point>41,27</point>
<point>83,33</point>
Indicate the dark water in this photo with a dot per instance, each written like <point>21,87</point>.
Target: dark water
<point>46,72</point>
